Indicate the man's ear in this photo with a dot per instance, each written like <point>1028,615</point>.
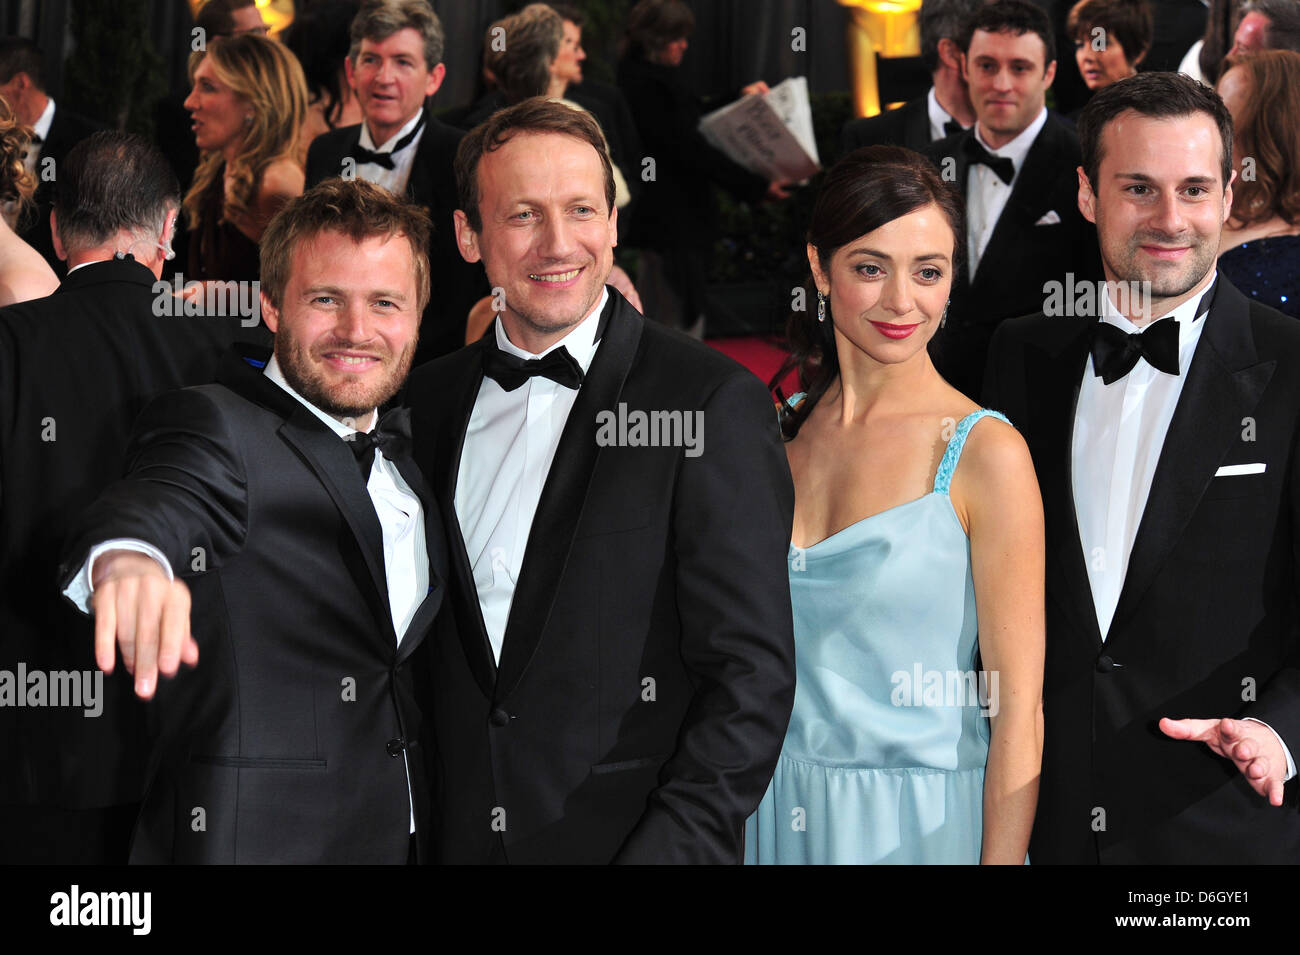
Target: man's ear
<point>59,250</point>
<point>1227,197</point>
<point>1049,74</point>
<point>613,227</point>
<point>350,71</point>
<point>270,314</point>
<point>436,76</point>
<point>1087,200</point>
<point>950,54</point>
<point>466,239</point>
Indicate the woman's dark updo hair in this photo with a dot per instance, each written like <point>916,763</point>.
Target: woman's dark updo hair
<point>865,190</point>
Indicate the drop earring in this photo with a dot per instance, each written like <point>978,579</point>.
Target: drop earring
<point>943,319</point>
<point>821,307</point>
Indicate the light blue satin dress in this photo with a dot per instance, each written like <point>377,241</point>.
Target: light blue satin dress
<point>884,758</point>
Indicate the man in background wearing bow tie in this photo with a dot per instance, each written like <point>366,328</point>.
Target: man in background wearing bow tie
<point>1015,168</point>
<point>314,554</point>
<point>1165,434</point>
<point>616,677</point>
<point>394,66</point>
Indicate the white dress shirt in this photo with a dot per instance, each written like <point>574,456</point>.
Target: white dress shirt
<point>395,179</point>
<point>1119,433</point>
<point>938,117</point>
<point>401,521</point>
<point>509,445</point>
<point>986,194</point>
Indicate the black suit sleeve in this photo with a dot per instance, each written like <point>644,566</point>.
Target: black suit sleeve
<point>731,525</point>
<point>1279,699</point>
<point>185,488</point>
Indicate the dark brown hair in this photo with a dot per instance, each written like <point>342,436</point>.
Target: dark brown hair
<point>534,115</point>
<point>865,190</point>
<point>653,24</point>
<point>1129,21</point>
<point>1016,17</point>
<point>359,210</point>
<point>1268,131</point>
<point>1161,95</point>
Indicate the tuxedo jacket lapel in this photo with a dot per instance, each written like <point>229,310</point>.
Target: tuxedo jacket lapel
<point>564,494</point>
<point>451,443</point>
<point>419,186</point>
<point>1054,377</point>
<point>333,463</point>
<point>1224,384</point>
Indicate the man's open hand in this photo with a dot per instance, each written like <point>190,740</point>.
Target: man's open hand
<point>1252,746</point>
<point>146,615</point>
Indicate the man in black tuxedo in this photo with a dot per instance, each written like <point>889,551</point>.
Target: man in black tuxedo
<point>616,678</point>
<point>57,130</point>
<point>314,554</point>
<point>75,370</point>
<point>394,66</point>
<point>1014,168</point>
<point>1165,436</point>
<point>946,108</point>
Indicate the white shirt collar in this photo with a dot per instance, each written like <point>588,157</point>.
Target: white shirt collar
<point>938,115</point>
<point>581,341</point>
<point>46,120</point>
<point>338,427</point>
<point>1185,315</point>
<point>1018,148</point>
<point>368,143</point>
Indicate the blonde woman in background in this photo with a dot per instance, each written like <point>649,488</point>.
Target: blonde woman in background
<point>24,273</point>
<point>248,104</point>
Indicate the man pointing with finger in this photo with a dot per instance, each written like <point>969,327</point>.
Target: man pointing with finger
<point>314,554</point>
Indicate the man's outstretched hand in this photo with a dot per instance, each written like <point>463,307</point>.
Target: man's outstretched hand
<point>144,614</point>
<point>1252,747</point>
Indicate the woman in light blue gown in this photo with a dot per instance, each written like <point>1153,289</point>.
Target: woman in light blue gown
<point>917,553</point>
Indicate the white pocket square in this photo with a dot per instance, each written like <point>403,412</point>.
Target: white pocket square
<point>1049,218</point>
<point>1232,470</point>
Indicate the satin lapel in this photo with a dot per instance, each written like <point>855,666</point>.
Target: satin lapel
<point>329,459</point>
<point>1224,384</point>
<point>327,455</point>
<point>1053,384</point>
<point>445,466</point>
<point>564,494</point>
<point>436,547</point>
<point>419,185</point>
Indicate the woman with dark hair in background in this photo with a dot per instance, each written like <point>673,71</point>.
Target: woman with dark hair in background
<point>1259,251</point>
<point>912,558</point>
<point>24,273</point>
<point>1204,60</point>
<point>249,102</point>
<point>320,38</point>
<point>1111,37</point>
<point>676,221</point>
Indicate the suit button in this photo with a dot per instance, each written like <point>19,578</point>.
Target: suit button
<point>499,717</point>
<point>395,747</point>
<point>1105,664</point>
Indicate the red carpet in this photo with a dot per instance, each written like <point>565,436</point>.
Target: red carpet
<point>762,356</point>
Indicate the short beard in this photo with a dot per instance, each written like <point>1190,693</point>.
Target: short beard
<point>308,382</point>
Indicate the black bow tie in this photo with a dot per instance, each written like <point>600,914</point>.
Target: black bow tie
<point>363,155</point>
<point>1115,351</point>
<point>952,127</point>
<point>511,371</point>
<point>392,436</point>
<point>1001,165</point>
